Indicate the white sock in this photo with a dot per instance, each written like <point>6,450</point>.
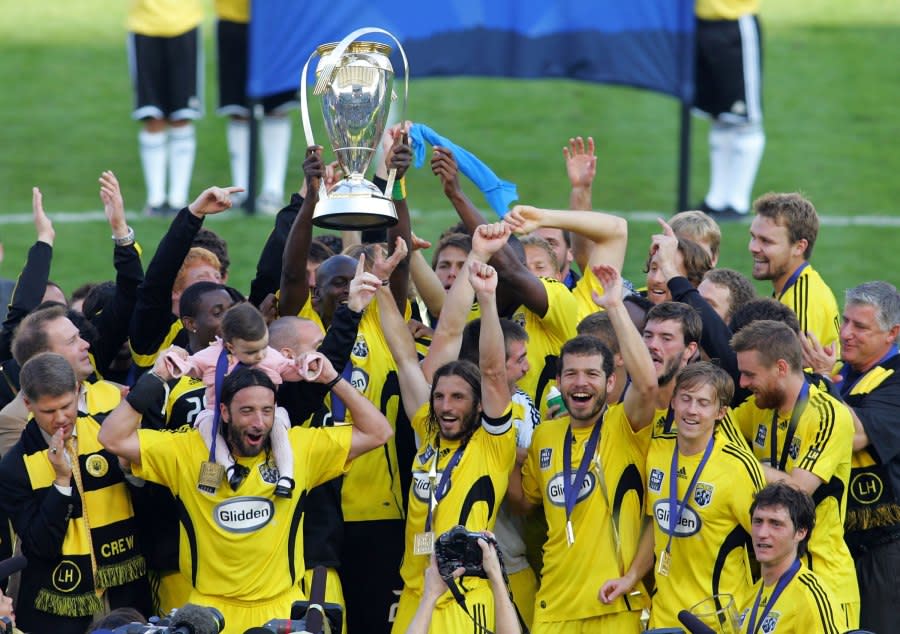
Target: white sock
<point>182,148</point>
<point>721,138</point>
<point>746,154</point>
<point>153,161</point>
<point>276,145</point>
<point>237,135</point>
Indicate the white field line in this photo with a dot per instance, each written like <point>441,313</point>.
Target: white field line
<point>634,216</point>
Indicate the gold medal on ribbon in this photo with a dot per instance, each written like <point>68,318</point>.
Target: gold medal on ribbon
<point>211,475</point>
<point>570,534</point>
<point>96,465</point>
<point>665,560</point>
<point>423,543</point>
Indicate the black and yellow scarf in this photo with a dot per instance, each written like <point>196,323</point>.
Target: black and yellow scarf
<point>100,529</point>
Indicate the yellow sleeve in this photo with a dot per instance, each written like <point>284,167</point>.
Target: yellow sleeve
<point>562,310</point>
<point>162,459</point>
<point>829,443</point>
<point>325,451</point>
<point>583,294</point>
<point>531,483</point>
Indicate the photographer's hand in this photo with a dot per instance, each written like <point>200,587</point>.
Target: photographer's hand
<point>434,588</point>
<point>489,559</point>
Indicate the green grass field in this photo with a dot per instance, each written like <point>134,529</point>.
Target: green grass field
<point>831,89</point>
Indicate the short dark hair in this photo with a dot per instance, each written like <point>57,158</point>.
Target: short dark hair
<point>82,292</point>
<point>740,289</point>
<point>468,372</point>
<point>582,346</point>
<point>212,241</point>
<point>699,373</point>
<point>240,378</point>
<point>760,308</point>
<point>31,334</point>
<point>468,347</point>
<point>685,314</point>
<point>190,299</point>
<point>772,340</point>
<point>47,374</point>
<point>116,618</point>
<point>461,241</point>
<point>798,504</point>
<point>599,325</point>
<point>323,247</point>
<point>793,212</point>
<point>97,299</point>
<point>243,321</point>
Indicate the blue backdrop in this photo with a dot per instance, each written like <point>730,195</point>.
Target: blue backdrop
<point>642,43</point>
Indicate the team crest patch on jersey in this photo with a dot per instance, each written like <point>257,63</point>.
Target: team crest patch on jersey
<point>761,432</point>
<point>769,623</point>
<point>557,496</point>
<point>268,472</point>
<point>656,480</point>
<point>359,379</point>
<point>360,348</point>
<point>545,457</point>
<point>794,451</point>
<point>426,455</point>
<point>688,525</point>
<point>244,514</point>
<point>703,494</point>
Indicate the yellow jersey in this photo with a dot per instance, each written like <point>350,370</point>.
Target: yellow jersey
<point>804,606</point>
<point>709,549</point>
<point>164,18</point>
<point>823,445</point>
<point>572,575</point>
<point>725,9</point>
<point>477,485</point>
<point>816,308</point>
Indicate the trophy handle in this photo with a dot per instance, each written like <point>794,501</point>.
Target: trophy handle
<point>329,69</point>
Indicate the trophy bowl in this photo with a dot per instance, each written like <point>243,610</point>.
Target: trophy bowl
<point>354,80</point>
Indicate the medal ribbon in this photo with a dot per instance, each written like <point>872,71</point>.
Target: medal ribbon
<point>677,510</point>
<point>792,279</point>
<point>847,386</point>
<point>571,488</point>
<point>782,583</point>
<point>799,406</point>
<point>443,488</point>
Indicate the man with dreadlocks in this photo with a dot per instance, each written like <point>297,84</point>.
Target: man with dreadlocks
<point>467,448</point>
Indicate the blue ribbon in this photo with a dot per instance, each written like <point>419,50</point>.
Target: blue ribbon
<point>677,510</point>
<point>498,193</point>
<point>570,487</point>
<point>792,279</point>
<point>799,406</point>
<point>783,581</point>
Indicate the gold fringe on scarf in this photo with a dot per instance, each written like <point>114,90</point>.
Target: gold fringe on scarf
<point>862,519</point>
<point>122,572</point>
<point>86,604</point>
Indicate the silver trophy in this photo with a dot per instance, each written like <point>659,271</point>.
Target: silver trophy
<point>355,81</point>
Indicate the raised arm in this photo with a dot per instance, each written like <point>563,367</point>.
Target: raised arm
<point>495,396</point>
<point>294,281</point>
<point>581,168</point>
<point>113,320</point>
<point>426,280</point>
<point>520,286</point>
<point>29,289</point>
<point>400,157</point>
<point>640,399</point>
<point>447,338</point>
<point>608,234</point>
<point>370,427</point>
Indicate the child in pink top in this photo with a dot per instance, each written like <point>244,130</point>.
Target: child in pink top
<point>246,341</point>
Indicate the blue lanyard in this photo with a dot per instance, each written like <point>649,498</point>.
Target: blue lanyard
<point>792,279</point>
<point>570,487</point>
<point>799,406</point>
<point>847,386</point>
<point>783,581</point>
<point>221,371</point>
<point>675,512</point>
<point>439,492</point>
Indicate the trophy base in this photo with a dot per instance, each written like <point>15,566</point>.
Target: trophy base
<point>353,207</point>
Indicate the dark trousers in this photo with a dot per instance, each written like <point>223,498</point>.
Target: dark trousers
<point>877,571</point>
<point>370,574</point>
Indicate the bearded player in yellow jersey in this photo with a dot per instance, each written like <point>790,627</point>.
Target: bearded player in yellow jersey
<point>802,435</point>
<point>585,469</point>
<point>700,484</point>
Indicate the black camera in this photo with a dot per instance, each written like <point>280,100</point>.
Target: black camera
<point>190,619</point>
<point>458,548</point>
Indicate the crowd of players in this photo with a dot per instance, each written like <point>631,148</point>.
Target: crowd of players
<point>635,452</point>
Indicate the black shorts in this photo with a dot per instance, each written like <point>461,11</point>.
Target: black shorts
<point>728,72</point>
<point>167,76</point>
<point>231,46</point>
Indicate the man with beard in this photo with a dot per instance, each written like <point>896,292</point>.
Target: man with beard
<point>243,550</point>
<point>585,469</point>
<point>782,236</point>
<point>802,435</point>
<point>700,484</point>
